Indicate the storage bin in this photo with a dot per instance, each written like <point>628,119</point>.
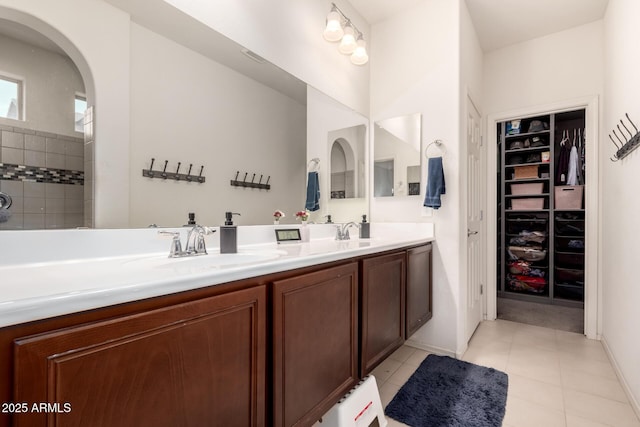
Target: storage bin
<point>570,244</point>
<point>569,196</point>
<point>569,291</point>
<point>526,172</point>
<point>515,226</point>
<point>570,259</point>
<point>529,188</point>
<point>570,227</point>
<point>569,275</point>
<point>531,203</point>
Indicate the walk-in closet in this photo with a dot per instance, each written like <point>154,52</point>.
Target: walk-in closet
<point>541,181</point>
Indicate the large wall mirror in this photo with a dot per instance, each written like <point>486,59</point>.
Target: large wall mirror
<point>396,164</point>
<point>234,114</point>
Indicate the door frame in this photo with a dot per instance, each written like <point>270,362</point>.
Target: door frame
<point>593,290</point>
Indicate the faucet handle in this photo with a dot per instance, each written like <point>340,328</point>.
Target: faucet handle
<point>176,246</point>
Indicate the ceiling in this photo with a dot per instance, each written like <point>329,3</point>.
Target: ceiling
<point>500,23</point>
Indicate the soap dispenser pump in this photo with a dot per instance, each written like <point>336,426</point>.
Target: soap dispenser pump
<point>192,220</point>
<point>229,235</point>
<point>364,228</point>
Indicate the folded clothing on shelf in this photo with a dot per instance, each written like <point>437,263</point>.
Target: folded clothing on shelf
<point>524,268</point>
<point>526,283</point>
<point>526,253</point>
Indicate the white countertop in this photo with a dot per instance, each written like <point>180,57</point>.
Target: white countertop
<point>48,274</point>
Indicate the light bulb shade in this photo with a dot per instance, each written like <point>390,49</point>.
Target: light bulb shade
<point>359,55</point>
<point>333,31</point>
<point>348,43</point>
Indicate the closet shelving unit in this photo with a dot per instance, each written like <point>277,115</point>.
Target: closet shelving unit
<point>563,265</point>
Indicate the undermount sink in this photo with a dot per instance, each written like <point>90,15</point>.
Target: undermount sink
<point>190,264</point>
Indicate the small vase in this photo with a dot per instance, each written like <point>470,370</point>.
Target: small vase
<point>276,222</point>
<point>304,232</point>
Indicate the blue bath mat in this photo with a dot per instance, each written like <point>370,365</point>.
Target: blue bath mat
<point>446,392</point>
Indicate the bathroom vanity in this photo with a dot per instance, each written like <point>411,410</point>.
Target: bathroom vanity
<point>266,340</point>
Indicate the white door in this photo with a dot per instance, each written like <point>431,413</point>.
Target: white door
<point>476,199</point>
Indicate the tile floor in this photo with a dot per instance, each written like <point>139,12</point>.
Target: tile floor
<point>556,378</point>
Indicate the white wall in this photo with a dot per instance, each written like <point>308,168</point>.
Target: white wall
<point>187,108</point>
<point>557,67</point>
<point>51,82</point>
<point>325,115</point>
<point>415,69</point>
<point>620,204</point>
<point>288,33</point>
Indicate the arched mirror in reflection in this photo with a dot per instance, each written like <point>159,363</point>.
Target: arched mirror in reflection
<point>396,164</point>
<point>347,166</point>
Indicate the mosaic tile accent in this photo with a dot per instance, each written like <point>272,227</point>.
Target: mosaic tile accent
<point>13,172</point>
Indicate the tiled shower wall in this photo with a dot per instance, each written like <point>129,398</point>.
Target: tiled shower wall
<point>44,175</point>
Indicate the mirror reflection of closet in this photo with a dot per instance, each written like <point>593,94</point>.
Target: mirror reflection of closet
<point>397,156</point>
<point>347,166</point>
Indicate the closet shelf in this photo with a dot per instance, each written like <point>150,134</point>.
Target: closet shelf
<point>526,134</point>
<point>521,196</point>
<point>526,164</point>
<point>528,150</point>
<point>520,181</point>
<point>564,252</point>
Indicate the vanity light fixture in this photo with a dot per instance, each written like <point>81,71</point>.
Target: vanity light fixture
<point>340,28</point>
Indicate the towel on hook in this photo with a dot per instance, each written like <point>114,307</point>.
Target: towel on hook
<point>435,183</point>
<point>313,192</point>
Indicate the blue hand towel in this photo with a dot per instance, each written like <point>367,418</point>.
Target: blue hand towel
<point>313,192</point>
<point>435,183</point>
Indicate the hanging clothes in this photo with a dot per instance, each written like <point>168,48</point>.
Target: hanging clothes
<point>572,175</point>
<point>562,167</point>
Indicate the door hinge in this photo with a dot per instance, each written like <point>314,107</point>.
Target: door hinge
<point>481,289</point>
<point>481,215</point>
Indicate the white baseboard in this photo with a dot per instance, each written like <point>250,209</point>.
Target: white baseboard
<point>632,399</point>
<point>431,349</point>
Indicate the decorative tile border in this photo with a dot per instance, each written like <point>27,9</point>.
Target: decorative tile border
<point>39,174</point>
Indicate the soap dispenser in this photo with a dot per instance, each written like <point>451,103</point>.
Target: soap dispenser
<point>228,235</point>
<point>192,220</point>
<point>364,228</point>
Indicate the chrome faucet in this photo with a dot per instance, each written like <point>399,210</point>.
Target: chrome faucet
<point>196,244</point>
<point>342,231</point>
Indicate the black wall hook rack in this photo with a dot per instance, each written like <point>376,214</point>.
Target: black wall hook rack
<point>625,148</point>
<point>251,184</point>
<point>174,176</point>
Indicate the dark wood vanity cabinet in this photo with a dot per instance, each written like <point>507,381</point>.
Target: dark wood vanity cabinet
<point>199,363</point>
<point>382,308</point>
<point>419,290</point>
<point>277,350</point>
<point>315,343</point>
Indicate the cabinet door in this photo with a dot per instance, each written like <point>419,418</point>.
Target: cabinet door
<point>315,318</point>
<point>200,363</point>
<point>419,288</point>
<point>383,304</point>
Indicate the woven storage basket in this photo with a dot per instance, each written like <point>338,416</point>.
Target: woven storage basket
<point>569,196</point>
